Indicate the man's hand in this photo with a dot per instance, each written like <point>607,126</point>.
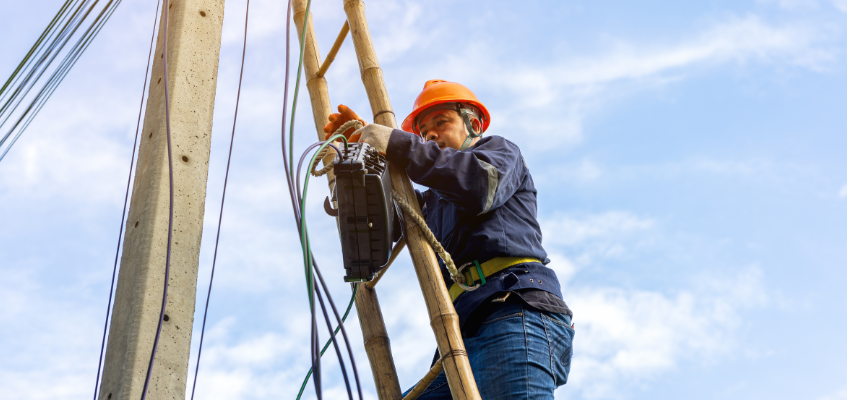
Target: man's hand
<point>343,115</point>
<point>375,135</point>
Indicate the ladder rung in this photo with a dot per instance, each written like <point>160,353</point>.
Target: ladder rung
<point>334,50</point>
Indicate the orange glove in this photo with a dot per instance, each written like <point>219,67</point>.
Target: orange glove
<point>343,115</point>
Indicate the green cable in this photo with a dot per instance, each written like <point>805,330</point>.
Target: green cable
<point>304,232</point>
<point>58,76</point>
<point>304,235</point>
<point>34,46</point>
<point>297,86</point>
<point>328,342</point>
<point>307,251</point>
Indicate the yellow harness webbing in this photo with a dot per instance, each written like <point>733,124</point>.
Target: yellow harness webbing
<point>489,268</point>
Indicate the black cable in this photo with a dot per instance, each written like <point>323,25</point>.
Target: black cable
<point>68,60</point>
<point>295,196</point>
<point>126,200</point>
<point>52,40</point>
<point>171,204</point>
<point>53,83</point>
<point>49,44</point>
<point>320,277</point>
<point>343,330</point>
<point>223,198</point>
<point>64,34</point>
<point>294,205</point>
<point>57,77</point>
<point>35,46</point>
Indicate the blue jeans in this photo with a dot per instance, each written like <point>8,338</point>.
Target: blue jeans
<point>517,353</point>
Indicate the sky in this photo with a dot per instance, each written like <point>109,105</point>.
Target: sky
<point>688,157</point>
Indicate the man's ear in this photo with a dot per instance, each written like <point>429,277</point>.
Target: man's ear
<point>476,125</point>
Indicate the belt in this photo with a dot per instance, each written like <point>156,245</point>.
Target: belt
<point>485,270</point>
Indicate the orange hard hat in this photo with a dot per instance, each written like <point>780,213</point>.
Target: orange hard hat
<point>437,92</point>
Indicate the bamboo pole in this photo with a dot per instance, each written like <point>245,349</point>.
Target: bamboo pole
<point>375,336</point>
<point>443,317</point>
<point>398,248</point>
<point>425,382</point>
<point>333,51</point>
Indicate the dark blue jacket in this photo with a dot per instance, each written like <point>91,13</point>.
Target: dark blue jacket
<point>481,204</point>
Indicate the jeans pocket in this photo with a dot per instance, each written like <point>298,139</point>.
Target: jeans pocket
<point>560,336</point>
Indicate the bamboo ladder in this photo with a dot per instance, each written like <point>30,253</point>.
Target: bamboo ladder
<point>443,317</point>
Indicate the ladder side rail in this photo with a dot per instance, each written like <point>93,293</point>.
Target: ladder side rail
<point>443,317</point>
<point>375,336</point>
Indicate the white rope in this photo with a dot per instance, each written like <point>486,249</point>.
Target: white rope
<point>430,237</point>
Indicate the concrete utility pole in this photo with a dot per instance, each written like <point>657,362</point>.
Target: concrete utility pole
<point>194,37</point>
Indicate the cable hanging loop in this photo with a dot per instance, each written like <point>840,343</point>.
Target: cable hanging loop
<point>329,150</point>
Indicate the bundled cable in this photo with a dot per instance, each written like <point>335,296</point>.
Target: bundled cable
<point>298,205</point>
<point>41,59</point>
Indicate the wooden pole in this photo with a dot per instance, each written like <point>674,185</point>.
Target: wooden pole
<point>430,376</point>
<point>333,51</point>
<point>375,336</point>
<point>443,317</point>
<point>194,37</point>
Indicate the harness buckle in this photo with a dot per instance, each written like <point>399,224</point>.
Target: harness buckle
<point>461,271</point>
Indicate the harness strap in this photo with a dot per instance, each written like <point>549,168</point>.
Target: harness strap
<point>488,268</point>
<point>471,134</point>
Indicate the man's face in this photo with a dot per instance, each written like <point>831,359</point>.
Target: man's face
<point>446,128</point>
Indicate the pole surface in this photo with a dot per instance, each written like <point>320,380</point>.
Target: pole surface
<point>443,317</point>
<point>194,36</point>
<point>374,334</point>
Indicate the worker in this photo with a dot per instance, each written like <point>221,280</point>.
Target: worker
<point>481,206</point>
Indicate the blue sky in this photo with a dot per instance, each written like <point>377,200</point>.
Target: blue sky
<point>688,155</point>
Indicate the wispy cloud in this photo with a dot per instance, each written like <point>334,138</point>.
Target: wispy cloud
<point>838,395</point>
<point>843,192</point>
<point>627,336</point>
<point>841,5</point>
<point>571,230</point>
<point>572,87</point>
<point>792,4</point>
<point>592,237</point>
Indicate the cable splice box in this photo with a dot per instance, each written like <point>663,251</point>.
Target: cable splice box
<point>365,210</point>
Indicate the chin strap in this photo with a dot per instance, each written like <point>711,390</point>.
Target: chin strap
<point>471,134</point>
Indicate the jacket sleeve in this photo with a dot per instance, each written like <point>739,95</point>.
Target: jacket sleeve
<point>478,179</point>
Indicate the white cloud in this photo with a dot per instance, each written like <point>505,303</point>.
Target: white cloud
<point>570,230</point>
<point>839,395</point>
<point>573,86</point>
<point>841,5</point>
<point>792,4</point>
<point>843,192</point>
<point>629,336</point>
<point>82,143</point>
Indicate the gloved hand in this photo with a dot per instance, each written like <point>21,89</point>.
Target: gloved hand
<point>375,135</point>
<point>343,115</point>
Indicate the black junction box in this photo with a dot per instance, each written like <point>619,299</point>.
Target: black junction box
<point>365,210</point>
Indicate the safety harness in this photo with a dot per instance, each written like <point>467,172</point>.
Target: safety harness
<point>484,270</point>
